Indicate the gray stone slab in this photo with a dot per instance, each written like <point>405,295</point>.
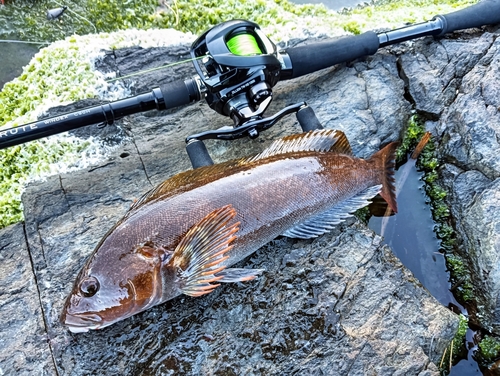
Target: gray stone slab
<point>460,87</point>
<point>24,343</point>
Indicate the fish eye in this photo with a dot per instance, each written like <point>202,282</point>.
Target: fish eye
<point>89,286</point>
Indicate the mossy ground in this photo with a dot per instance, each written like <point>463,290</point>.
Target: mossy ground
<point>28,18</point>
<point>489,350</point>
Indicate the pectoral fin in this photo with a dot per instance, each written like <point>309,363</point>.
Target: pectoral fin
<point>199,254</point>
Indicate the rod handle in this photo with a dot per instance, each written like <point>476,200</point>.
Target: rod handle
<point>486,12</point>
<point>313,57</point>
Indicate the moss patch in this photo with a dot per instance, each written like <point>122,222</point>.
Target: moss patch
<point>489,348</point>
<point>58,74</point>
<point>457,350</point>
<point>279,17</point>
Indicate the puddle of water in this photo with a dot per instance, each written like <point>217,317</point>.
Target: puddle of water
<point>410,235</point>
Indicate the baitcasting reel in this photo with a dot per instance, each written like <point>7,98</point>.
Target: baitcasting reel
<point>239,66</point>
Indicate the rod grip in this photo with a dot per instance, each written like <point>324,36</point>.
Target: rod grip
<point>317,56</point>
<point>179,93</point>
<point>486,12</point>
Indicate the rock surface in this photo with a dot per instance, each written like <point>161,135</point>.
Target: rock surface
<point>342,302</point>
<point>460,91</point>
<point>24,347</point>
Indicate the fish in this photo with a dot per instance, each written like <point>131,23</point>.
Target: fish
<point>183,236</point>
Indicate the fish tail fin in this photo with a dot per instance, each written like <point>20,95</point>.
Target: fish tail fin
<point>385,160</point>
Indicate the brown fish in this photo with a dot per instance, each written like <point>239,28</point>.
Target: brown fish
<point>181,236</point>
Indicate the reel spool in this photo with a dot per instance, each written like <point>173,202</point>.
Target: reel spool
<point>239,66</point>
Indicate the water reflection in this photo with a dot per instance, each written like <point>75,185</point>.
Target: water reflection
<point>410,235</point>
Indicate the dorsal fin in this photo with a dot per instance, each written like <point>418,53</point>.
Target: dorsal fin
<point>323,140</point>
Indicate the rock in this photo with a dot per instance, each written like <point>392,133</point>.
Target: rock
<point>342,302</point>
<point>336,302</point>
<point>24,344</point>
<point>461,95</point>
<point>132,60</point>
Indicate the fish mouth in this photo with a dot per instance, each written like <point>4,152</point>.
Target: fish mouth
<point>82,322</point>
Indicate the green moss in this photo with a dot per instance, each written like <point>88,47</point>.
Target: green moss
<point>19,163</point>
<point>428,162</point>
<point>413,133</point>
<point>458,346</point>
<point>352,27</point>
<point>61,73</point>
<point>57,74</point>
<point>463,325</point>
<point>363,214</point>
<point>457,349</point>
<point>28,18</point>
<point>489,348</point>
<point>460,278</point>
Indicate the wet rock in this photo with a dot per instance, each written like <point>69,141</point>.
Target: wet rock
<point>461,96</point>
<point>342,302</point>
<point>24,344</point>
<point>127,61</point>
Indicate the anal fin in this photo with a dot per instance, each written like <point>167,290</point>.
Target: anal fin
<point>327,220</point>
<point>238,275</point>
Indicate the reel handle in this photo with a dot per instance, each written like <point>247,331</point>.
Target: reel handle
<point>198,153</point>
<point>307,119</point>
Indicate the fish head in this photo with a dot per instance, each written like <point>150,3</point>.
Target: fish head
<point>114,285</point>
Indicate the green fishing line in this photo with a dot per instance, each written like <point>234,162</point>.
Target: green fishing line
<point>243,45</point>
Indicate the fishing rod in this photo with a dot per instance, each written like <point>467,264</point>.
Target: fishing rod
<point>237,66</point>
